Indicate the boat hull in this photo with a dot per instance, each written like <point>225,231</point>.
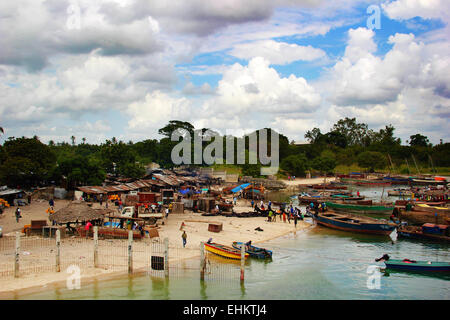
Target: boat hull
<point>224,251</point>
<point>418,266</point>
<point>255,252</point>
<point>360,208</point>
<point>367,228</point>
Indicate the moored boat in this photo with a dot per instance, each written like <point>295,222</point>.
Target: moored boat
<point>424,216</point>
<point>413,265</point>
<point>224,251</point>
<point>254,252</point>
<point>428,231</point>
<point>366,182</point>
<point>348,222</point>
<point>360,207</point>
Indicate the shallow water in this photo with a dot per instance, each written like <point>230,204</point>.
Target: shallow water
<point>319,263</point>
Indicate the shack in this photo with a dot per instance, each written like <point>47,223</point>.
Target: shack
<point>78,213</point>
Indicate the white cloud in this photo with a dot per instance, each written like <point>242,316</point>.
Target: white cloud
<point>407,9</point>
<point>155,110</point>
<point>276,52</point>
<point>361,77</point>
<point>259,88</point>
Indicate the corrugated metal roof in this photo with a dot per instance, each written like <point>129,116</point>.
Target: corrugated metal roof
<point>95,189</point>
<point>10,191</point>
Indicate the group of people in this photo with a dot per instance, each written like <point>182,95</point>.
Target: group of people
<point>290,214</point>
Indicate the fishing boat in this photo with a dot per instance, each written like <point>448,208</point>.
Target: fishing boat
<point>329,186</point>
<point>396,180</point>
<point>366,207</point>
<point>427,182</point>
<point>366,182</point>
<point>348,222</point>
<point>224,251</point>
<point>413,265</point>
<point>418,216</point>
<point>320,198</point>
<point>400,193</point>
<point>254,252</point>
<point>428,231</point>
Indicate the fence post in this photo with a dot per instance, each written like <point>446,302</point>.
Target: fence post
<point>58,251</point>
<point>242,261</point>
<point>166,257</point>
<point>202,261</point>
<point>130,251</point>
<point>16,263</point>
<point>95,247</point>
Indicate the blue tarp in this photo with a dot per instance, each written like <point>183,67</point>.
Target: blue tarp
<point>241,187</point>
<point>184,191</point>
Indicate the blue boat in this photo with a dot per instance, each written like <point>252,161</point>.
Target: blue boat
<point>353,223</point>
<point>412,265</point>
<point>254,252</point>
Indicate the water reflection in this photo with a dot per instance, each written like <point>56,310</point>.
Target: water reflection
<point>203,286</point>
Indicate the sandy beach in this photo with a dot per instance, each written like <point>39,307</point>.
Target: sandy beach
<point>195,225</point>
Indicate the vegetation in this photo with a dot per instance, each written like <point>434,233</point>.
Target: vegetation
<point>349,146</point>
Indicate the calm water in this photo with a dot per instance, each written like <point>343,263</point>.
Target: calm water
<point>316,264</point>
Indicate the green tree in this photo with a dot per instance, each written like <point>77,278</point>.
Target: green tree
<point>354,133</point>
<point>325,163</point>
<point>26,162</point>
<point>295,164</point>
<point>372,160</point>
<point>176,125</point>
<point>418,140</point>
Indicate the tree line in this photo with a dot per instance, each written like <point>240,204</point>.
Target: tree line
<point>27,162</point>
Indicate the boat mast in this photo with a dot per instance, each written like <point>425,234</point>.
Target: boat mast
<point>407,164</point>
<point>432,165</point>
<point>392,165</point>
<point>416,164</point>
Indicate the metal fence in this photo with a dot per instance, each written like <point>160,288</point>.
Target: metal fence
<point>23,256</point>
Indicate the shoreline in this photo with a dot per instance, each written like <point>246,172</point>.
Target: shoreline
<point>234,229</point>
<point>11,294</point>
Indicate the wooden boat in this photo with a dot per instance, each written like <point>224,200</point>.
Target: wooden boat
<point>328,186</point>
<point>399,193</point>
<point>430,208</point>
<point>224,251</point>
<point>352,223</point>
<point>422,216</point>
<point>413,265</point>
<point>360,207</point>
<point>397,180</point>
<point>254,252</point>
<point>428,231</point>
<point>366,182</point>
<point>314,199</point>
<point>427,182</point>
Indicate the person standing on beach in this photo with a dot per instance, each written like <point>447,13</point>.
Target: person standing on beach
<point>295,220</point>
<point>184,237</point>
<point>18,216</point>
<point>253,203</point>
<point>87,227</point>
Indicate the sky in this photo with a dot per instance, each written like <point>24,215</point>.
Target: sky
<point>124,68</point>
